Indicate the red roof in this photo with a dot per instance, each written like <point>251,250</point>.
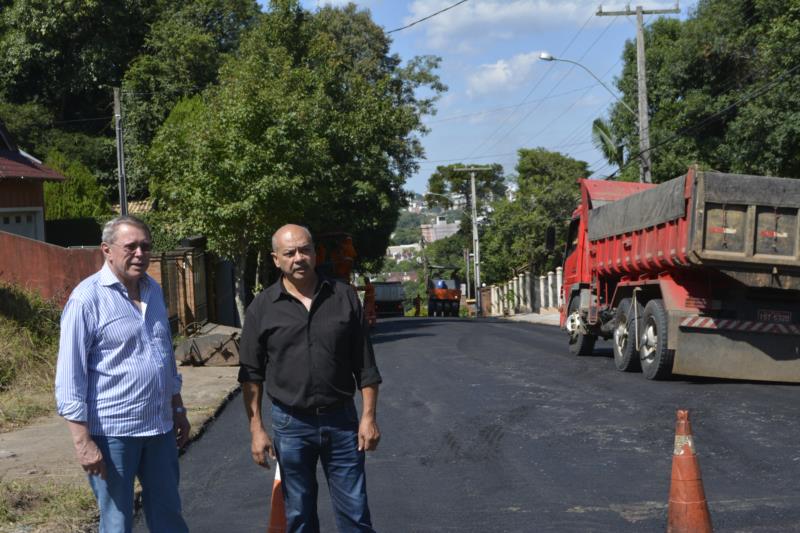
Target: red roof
<point>14,164</point>
<point>610,191</point>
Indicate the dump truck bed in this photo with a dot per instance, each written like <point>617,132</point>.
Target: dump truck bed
<point>744,226</point>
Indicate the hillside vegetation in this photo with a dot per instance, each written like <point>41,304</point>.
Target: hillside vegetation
<point>28,350</point>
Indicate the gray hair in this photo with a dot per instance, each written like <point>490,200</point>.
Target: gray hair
<point>111,227</point>
<point>275,235</point>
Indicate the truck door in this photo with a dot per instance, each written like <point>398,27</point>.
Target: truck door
<point>571,258</point>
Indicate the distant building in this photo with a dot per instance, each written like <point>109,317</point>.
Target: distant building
<point>403,251</point>
<point>22,178</point>
<point>441,230</point>
<point>401,276</point>
<point>416,205</point>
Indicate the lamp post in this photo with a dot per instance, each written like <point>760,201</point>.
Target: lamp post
<point>644,138</point>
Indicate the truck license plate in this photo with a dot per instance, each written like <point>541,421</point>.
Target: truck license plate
<point>771,315</point>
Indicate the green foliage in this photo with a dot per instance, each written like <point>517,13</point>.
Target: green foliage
<point>447,180</point>
<point>29,327</point>
<point>77,197</point>
<point>66,55</point>
<point>514,234</point>
<point>33,127</point>
<point>605,141</point>
<point>181,56</point>
<point>449,253</point>
<point>705,75</point>
<point>312,122</point>
<point>407,230</point>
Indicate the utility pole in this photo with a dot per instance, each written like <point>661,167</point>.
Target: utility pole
<point>645,168</point>
<point>123,193</point>
<point>466,262</point>
<point>475,241</point>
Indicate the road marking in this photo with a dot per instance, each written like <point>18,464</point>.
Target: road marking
<point>650,510</point>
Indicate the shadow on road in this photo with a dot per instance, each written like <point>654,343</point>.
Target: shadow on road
<point>394,329</point>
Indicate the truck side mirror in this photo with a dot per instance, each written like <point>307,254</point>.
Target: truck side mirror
<point>550,239</point>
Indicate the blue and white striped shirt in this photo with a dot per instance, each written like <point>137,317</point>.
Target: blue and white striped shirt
<point>116,368</point>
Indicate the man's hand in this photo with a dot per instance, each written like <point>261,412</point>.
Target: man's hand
<point>180,423</point>
<point>368,434</point>
<point>261,447</point>
<point>90,457</point>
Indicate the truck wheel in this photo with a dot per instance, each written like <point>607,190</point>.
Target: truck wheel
<point>656,359</point>
<point>579,343</point>
<point>626,357</point>
<point>430,310</point>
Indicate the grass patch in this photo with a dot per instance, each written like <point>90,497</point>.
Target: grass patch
<point>29,327</point>
<point>46,508</point>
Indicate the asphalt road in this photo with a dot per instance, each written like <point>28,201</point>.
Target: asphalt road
<point>493,426</point>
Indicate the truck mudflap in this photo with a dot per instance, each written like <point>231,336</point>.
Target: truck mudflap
<point>737,349</point>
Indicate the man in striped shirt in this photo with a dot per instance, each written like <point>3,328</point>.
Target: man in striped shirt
<point>118,387</point>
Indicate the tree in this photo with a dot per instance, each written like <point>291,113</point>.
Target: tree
<point>312,122</point>
<point>722,90</point>
<point>514,232</point>
<point>181,56</point>
<point>489,185</point>
<point>66,55</point>
<point>78,197</point>
<point>605,141</point>
<point>407,230</point>
<point>449,253</point>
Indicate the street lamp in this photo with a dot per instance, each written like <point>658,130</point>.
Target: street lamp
<point>544,56</point>
<point>644,135</point>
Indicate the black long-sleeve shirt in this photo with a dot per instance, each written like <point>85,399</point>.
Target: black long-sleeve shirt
<point>308,359</point>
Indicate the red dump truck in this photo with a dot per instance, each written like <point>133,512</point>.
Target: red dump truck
<point>698,276</point>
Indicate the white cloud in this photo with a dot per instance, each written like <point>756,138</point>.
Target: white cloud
<point>503,19</point>
<point>504,74</point>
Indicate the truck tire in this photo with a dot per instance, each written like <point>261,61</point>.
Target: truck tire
<point>656,359</point>
<point>431,309</point>
<point>580,343</point>
<point>626,357</point>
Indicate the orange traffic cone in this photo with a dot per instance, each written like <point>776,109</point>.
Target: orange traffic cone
<point>688,508</point>
<point>277,511</point>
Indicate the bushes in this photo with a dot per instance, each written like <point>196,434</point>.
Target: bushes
<point>29,328</point>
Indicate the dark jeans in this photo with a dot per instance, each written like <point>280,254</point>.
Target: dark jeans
<point>301,440</point>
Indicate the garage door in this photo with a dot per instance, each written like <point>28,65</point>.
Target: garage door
<point>23,223</point>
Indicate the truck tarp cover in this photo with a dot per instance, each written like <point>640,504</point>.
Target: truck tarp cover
<point>638,211</point>
<point>744,190</point>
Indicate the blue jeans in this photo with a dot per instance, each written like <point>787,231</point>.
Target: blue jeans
<point>301,440</point>
<point>154,460</point>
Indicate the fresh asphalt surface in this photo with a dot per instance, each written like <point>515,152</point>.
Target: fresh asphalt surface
<point>492,426</point>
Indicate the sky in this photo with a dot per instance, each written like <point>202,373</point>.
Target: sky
<point>501,97</point>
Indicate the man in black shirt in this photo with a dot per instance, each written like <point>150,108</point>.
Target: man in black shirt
<point>305,336</point>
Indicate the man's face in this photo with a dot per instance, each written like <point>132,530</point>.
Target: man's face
<point>295,255</point>
<point>129,255</point>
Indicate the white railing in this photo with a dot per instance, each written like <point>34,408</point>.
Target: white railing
<point>526,293</point>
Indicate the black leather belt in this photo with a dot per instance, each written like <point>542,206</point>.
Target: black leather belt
<point>314,410</point>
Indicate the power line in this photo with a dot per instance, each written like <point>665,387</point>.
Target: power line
<point>428,17</point>
<point>529,113</point>
<point>531,91</point>
<point>746,98</point>
<point>504,108</point>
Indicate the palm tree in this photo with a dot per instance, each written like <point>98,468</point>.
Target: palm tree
<point>605,141</point>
